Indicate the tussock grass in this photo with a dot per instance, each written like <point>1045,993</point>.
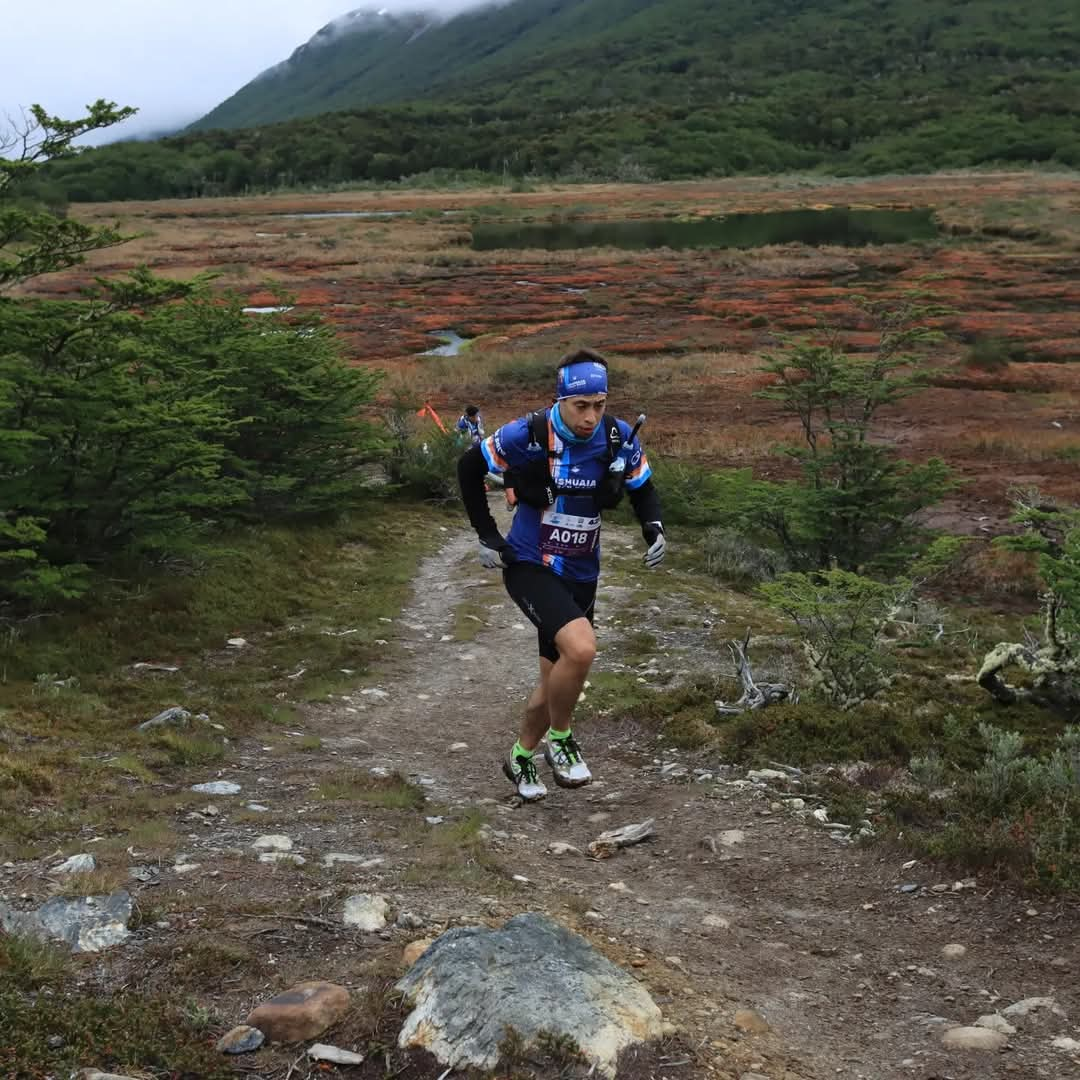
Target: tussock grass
<point>454,852</point>
<point>391,792</point>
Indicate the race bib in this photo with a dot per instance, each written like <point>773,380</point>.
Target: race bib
<point>567,534</point>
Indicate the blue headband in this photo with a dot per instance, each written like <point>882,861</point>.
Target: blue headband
<point>587,377</point>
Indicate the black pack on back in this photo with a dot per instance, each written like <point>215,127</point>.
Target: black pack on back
<point>535,486</point>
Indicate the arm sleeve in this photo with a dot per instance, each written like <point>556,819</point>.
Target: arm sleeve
<point>637,464</point>
<point>472,468</point>
<point>646,502</point>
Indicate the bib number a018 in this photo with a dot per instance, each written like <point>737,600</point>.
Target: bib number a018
<point>568,534</point>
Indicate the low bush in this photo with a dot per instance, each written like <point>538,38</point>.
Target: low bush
<point>1013,812</point>
<point>738,561</point>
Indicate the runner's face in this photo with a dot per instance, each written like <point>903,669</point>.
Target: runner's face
<point>582,414</point>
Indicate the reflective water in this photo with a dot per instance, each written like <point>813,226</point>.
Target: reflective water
<point>843,227</point>
<point>453,343</point>
<point>346,213</point>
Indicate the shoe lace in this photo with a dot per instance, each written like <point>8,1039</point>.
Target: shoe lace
<point>569,748</point>
<point>526,769</point>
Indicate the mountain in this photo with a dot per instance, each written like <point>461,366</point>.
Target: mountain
<point>573,54</point>
<point>629,90</point>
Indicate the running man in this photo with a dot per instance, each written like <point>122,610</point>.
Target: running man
<point>570,462</point>
<point>471,425</point>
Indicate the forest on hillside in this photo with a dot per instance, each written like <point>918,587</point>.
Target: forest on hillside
<point>675,90</point>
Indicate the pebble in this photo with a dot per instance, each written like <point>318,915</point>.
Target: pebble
<point>236,642</point>
<point>995,1022</point>
<point>973,1038</point>
<point>954,952</point>
<point>409,921</point>
<point>731,837</point>
<point>458,747</point>
<point>342,857</point>
<point>1033,1004</point>
<point>322,1052</point>
<point>557,847</point>
<point>77,864</point>
<point>257,808</point>
<point>282,856</point>
<point>217,787</point>
<point>751,1021</point>
<point>1065,1043</point>
<point>716,922</point>
<point>619,886</point>
<point>273,842</point>
<point>415,949</point>
<point>365,911</point>
<point>241,1040</point>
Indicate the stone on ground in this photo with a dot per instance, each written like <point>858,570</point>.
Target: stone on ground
<point>87,924</point>
<point>1033,1004</point>
<point>97,1074</point>
<point>973,1038</point>
<point>217,787</point>
<point>322,1052</point>
<point>995,1022</point>
<point>751,1021</point>
<point>272,842</point>
<point>538,976</point>
<point>301,1012</point>
<point>241,1040</point>
<point>414,950</point>
<point>77,864</point>
<point>365,911</point>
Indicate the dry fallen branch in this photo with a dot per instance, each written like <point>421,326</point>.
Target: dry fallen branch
<point>754,695</point>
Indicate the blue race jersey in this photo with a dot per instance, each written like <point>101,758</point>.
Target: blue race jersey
<point>565,537</point>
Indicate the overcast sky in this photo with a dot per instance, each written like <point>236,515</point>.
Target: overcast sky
<point>172,59</point>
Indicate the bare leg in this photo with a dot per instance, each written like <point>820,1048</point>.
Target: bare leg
<point>537,720</point>
<point>576,643</point>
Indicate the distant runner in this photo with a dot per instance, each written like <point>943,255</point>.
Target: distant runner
<point>570,462</point>
<point>471,425</point>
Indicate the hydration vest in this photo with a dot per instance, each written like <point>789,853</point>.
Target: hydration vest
<point>534,485</point>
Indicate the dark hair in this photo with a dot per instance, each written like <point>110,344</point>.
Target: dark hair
<point>581,356</point>
<point>471,410</point>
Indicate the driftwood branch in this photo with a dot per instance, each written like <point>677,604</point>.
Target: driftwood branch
<point>755,695</point>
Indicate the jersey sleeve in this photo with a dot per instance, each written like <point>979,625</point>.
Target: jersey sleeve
<point>637,464</point>
<point>505,449</point>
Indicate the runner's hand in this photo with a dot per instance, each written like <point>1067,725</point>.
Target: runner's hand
<point>654,537</point>
<point>491,553</point>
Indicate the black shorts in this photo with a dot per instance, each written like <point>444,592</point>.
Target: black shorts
<point>549,601</point>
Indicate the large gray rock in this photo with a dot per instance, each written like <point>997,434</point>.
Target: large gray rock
<point>87,924</point>
<point>532,975</point>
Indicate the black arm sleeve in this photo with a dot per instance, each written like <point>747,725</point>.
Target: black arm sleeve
<point>471,470</point>
<point>646,503</point>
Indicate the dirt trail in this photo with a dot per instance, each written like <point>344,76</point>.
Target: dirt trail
<point>847,969</point>
<point>812,933</point>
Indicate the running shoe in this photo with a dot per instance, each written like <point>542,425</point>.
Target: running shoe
<point>564,757</point>
<point>521,772</point>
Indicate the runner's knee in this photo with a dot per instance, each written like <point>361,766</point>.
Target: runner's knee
<point>576,643</point>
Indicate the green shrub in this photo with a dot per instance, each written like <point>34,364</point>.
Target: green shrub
<point>1013,812</point>
<point>734,559</point>
<point>841,618</point>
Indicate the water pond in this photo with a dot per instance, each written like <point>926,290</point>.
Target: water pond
<point>842,227</point>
